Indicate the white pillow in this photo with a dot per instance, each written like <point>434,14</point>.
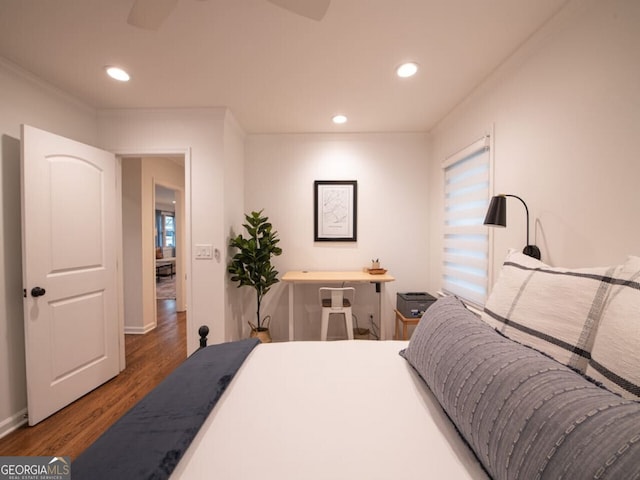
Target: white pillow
<point>615,358</point>
<point>554,310</point>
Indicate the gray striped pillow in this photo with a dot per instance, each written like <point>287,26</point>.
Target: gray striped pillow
<point>554,310</point>
<point>525,415</point>
<point>615,358</point>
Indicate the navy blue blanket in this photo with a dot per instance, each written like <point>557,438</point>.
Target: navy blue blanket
<point>149,440</point>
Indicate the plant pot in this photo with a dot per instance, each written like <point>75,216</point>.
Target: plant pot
<point>361,334</point>
<point>262,333</point>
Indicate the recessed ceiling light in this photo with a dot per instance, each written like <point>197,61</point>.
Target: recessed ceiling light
<point>117,73</point>
<point>407,70</point>
<point>338,119</point>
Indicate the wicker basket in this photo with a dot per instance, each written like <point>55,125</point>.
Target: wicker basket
<point>262,333</point>
<point>361,334</point>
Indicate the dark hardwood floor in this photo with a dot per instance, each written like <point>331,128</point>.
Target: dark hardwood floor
<point>150,358</point>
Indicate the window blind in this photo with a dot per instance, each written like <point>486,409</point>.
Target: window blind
<point>466,239</point>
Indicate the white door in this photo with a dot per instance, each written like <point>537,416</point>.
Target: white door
<point>69,241</point>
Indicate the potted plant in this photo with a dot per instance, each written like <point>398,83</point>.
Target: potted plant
<point>251,265</point>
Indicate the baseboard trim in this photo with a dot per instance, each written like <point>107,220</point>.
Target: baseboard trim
<point>13,423</point>
<point>139,330</point>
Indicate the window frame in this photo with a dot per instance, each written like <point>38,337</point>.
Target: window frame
<point>161,231</point>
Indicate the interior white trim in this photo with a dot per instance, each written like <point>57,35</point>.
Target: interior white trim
<point>13,422</point>
<point>139,330</point>
<point>184,152</point>
<point>480,144</point>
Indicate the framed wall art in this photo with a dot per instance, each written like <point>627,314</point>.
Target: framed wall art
<point>335,210</point>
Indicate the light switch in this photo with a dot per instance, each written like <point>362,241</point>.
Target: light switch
<point>204,252</point>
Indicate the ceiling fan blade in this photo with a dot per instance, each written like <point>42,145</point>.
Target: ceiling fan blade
<point>313,9</point>
<point>149,14</point>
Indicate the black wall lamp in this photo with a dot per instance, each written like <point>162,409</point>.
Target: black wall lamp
<point>497,216</point>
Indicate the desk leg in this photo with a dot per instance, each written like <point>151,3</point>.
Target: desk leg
<point>380,291</point>
<point>383,327</point>
<point>291,312</point>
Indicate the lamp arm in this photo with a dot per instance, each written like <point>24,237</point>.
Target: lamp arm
<point>526,209</point>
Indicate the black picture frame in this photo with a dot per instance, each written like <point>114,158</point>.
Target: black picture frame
<point>335,210</point>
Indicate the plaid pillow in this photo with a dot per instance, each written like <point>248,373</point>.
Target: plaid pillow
<point>615,358</point>
<point>554,310</point>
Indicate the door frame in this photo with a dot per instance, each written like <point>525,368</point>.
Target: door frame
<point>155,152</point>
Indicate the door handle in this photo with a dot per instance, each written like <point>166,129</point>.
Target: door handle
<point>37,291</point>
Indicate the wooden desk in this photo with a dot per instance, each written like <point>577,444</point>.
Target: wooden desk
<point>326,277</point>
<point>405,321</point>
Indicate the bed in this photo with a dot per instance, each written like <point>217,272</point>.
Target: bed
<point>545,385</point>
<point>321,410</point>
<point>312,410</point>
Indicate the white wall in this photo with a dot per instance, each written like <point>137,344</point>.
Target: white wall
<point>234,140</point>
<point>132,251</point>
<point>566,110</point>
<point>391,170</point>
<point>199,135</point>
<point>23,100</point>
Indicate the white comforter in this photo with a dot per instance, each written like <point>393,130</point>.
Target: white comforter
<point>328,410</point>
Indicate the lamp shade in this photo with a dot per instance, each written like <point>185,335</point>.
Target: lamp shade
<point>497,212</point>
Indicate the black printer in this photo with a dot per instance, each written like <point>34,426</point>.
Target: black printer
<point>413,304</point>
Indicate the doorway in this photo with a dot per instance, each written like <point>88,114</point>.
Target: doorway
<point>145,179</point>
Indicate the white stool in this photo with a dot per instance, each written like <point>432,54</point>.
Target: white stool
<point>336,300</point>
